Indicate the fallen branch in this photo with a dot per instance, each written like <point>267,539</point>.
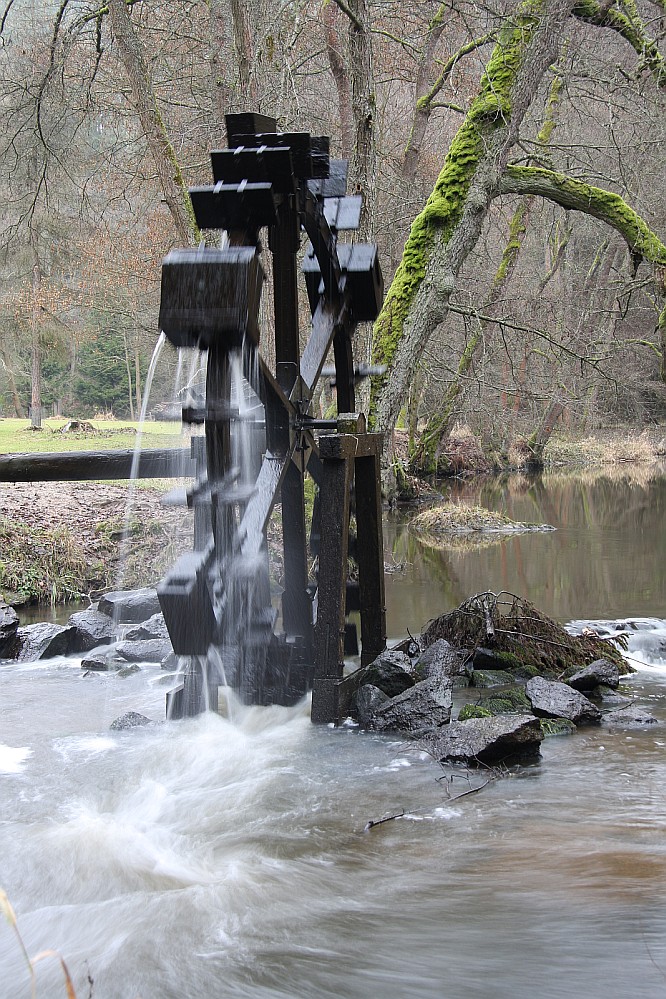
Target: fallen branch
<point>378,822</point>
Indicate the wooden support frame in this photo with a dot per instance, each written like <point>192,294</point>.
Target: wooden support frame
<point>346,457</point>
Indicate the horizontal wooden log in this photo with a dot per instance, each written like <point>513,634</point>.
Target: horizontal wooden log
<point>73,466</point>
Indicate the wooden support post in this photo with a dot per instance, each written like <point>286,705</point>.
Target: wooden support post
<point>370,553</point>
<point>330,627</point>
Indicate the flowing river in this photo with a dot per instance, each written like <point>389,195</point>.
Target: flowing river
<point>215,857</point>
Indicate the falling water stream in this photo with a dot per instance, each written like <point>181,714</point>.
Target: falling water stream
<point>202,858</point>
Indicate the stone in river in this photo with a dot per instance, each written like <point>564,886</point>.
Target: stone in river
<point>550,699</point>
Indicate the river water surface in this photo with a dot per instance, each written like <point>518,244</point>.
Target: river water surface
<point>215,857</point>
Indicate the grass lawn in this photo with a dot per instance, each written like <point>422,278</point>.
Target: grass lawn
<point>16,437</point>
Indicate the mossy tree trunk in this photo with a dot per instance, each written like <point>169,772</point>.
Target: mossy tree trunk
<point>447,229</point>
<point>426,455</point>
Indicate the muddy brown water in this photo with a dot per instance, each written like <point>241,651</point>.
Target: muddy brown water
<point>227,857</point>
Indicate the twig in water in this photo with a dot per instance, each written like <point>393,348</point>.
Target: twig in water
<point>378,822</point>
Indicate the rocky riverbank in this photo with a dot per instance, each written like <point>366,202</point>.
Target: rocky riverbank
<point>461,698</point>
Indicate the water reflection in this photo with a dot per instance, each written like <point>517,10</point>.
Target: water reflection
<point>607,557</point>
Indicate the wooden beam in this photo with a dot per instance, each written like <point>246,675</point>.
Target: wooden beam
<point>74,466</point>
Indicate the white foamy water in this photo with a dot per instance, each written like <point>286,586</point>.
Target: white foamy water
<point>13,758</point>
<point>645,639</point>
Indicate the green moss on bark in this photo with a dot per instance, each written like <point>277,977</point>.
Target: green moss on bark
<point>578,196</point>
<point>445,206</point>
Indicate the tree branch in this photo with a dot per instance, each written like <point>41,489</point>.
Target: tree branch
<point>578,196</point>
<point>630,26</point>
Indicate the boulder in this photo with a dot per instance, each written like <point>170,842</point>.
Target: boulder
<point>100,663</point>
<point>44,641</point>
<point>9,622</point>
<point>130,606</point>
<point>125,671</point>
<point>473,711</point>
<point>488,659</point>
<point>632,716</point>
<point>91,628</point>
<point>154,627</point>
<point>171,662</point>
<point>439,660</point>
<point>390,671</point>
<point>367,701</point>
<point>422,708</point>
<point>601,671</point>
<point>149,650</point>
<point>131,719</point>
<point>550,699</point>
<point>508,701</point>
<point>486,740</point>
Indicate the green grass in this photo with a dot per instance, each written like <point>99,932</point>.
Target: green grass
<point>16,437</point>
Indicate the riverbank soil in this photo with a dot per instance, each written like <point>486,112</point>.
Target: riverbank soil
<point>60,540</point>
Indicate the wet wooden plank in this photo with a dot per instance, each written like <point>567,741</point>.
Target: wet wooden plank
<point>370,554</point>
<point>330,626</point>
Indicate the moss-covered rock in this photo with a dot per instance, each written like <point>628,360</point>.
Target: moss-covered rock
<point>557,726</point>
<point>473,711</point>
<point>512,700</point>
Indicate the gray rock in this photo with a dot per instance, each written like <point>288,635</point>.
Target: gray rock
<point>439,660</point>
<point>598,672</point>
<point>149,650</point>
<point>368,699</point>
<point>550,699</point>
<point>131,719</point>
<point>99,663</point>
<point>44,641</point>
<point>632,716</point>
<point>130,606</point>
<point>128,671</point>
<point>390,671</point>
<point>486,740</point>
<point>9,622</point>
<point>423,708</point>
<point>609,697</point>
<point>487,659</point>
<point>154,627</point>
<point>91,628</point>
